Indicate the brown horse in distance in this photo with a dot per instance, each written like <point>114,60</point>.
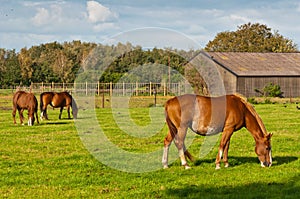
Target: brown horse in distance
<point>57,100</point>
<point>208,116</point>
<point>23,100</point>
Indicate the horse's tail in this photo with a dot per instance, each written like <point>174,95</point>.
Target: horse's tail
<point>172,128</point>
<point>173,132</point>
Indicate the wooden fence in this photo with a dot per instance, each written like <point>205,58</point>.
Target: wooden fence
<point>115,89</point>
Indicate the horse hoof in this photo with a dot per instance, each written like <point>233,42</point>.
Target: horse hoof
<point>186,167</point>
<point>218,167</point>
<point>226,165</point>
<point>166,166</point>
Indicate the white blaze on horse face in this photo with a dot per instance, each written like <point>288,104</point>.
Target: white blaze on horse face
<point>30,121</point>
<point>270,155</point>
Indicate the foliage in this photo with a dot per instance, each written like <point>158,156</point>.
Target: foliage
<point>271,90</point>
<point>50,161</point>
<point>251,38</point>
<point>65,62</point>
<point>9,68</point>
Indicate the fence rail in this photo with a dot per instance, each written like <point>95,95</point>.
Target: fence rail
<point>114,89</point>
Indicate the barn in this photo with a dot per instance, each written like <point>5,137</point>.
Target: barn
<point>244,72</point>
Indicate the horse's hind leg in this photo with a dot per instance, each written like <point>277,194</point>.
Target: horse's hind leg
<point>167,142</point>
<point>179,142</point>
<point>14,115</point>
<point>44,113</point>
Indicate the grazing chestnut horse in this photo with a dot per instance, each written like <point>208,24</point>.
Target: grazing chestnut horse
<point>57,100</point>
<point>22,101</point>
<point>209,116</point>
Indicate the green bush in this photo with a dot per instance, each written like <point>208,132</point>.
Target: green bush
<point>271,90</point>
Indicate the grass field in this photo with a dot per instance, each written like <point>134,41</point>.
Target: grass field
<point>50,160</point>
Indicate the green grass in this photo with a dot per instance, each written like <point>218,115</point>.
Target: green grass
<point>51,161</point>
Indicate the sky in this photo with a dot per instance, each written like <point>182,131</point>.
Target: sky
<point>27,23</point>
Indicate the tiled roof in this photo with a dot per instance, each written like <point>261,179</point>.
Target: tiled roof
<point>258,64</point>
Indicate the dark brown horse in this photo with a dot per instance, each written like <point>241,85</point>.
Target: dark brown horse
<point>208,116</point>
<point>57,100</point>
<point>22,101</point>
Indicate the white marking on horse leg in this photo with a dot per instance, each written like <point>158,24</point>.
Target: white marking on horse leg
<point>165,157</point>
<point>183,160</point>
<point>262,164</point>
<point>42,114</point>
<point>220,157</point>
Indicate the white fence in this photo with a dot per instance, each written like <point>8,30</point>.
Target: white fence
<point>116,89</point>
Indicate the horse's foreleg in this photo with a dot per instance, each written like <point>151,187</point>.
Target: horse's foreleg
<point>223,148</point>
<point>225,155</point>
<point>167,142</point>
<point>68,110</point>
<point>60,112</point>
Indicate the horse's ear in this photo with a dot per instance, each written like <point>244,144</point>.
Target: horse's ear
<point>269,136</point>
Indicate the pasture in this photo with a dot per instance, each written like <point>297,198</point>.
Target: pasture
<point>49,160</point>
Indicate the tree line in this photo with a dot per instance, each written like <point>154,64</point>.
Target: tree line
<point>63,62</point>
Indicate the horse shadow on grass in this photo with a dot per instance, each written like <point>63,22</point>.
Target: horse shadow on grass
<point>289,189</point>
<point>236,161</point>
<point>54,122</point>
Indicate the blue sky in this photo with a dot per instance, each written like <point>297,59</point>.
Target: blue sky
<point>27,23</point>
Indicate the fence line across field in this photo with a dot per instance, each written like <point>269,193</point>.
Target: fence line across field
<point>115,89</point>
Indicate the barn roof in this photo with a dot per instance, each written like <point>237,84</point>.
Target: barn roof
<point>258,64</point>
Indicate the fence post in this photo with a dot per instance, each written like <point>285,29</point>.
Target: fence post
<point>98,84</point>
<point>42,87</point>
<point>74,87</point>
<point>136,89</point>
<point>123,88</point>
<point>110,89</point>
<point>86,88</point>
<point>164,88</point>
<point>150,89</point>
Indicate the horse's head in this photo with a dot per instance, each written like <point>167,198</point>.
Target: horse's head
<point>74,109</point>
<point>74,112</point>
<point>263,151</point>
<point>30,117</point>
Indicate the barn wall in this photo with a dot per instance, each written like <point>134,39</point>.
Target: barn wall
<point>290,86</point>
<point>229,80</point>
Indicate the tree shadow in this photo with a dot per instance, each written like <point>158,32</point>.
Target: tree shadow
<point>291,189</point>
<point>235,161</point>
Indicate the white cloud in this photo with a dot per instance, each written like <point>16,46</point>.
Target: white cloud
<point>99,13</point>
<point>41,17</point>
<point>44,16</point>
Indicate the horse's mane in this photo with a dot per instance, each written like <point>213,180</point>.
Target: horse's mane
<point>252,111</point>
